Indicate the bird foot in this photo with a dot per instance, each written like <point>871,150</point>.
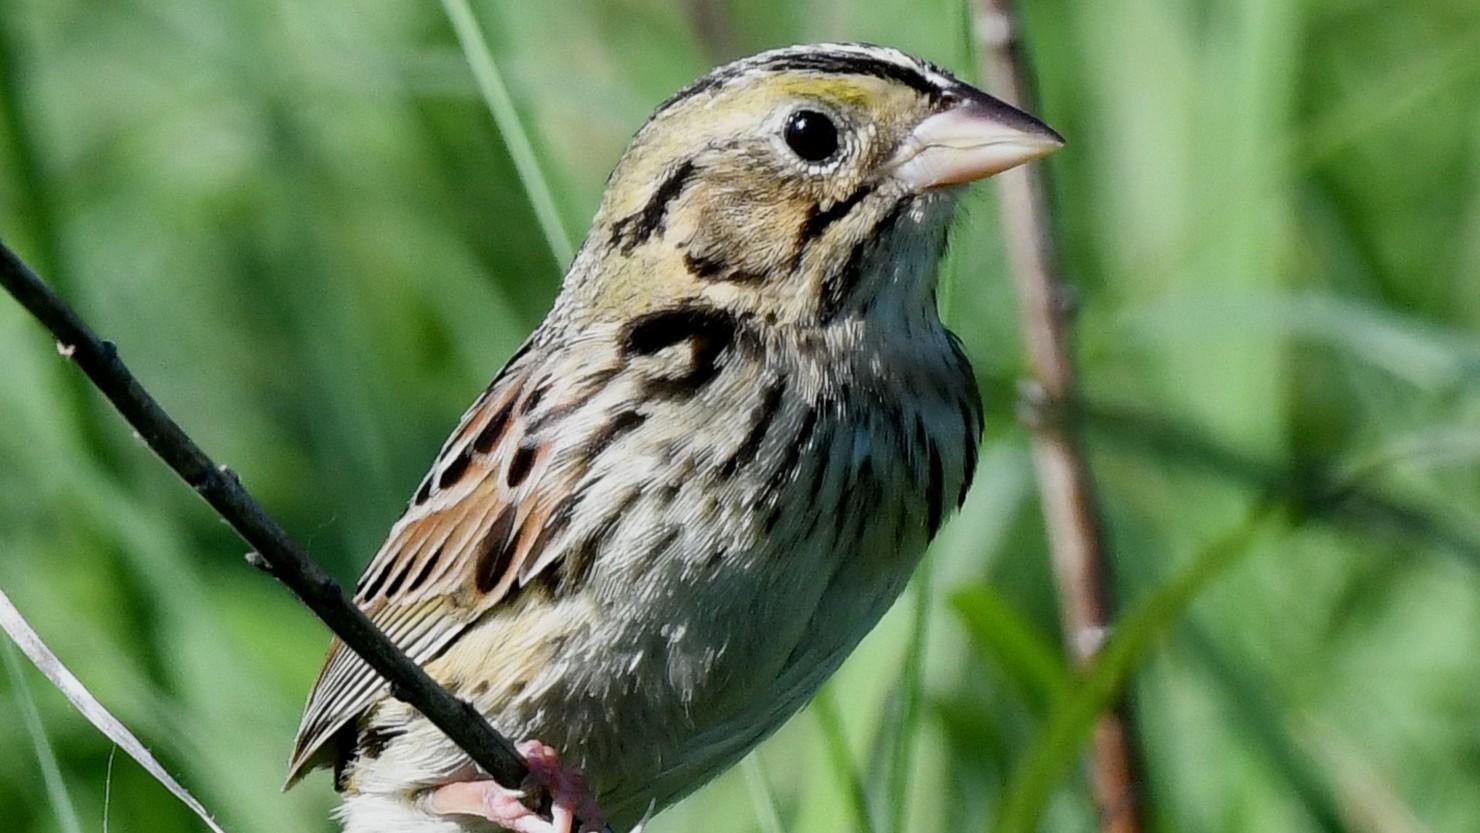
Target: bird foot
<point>571,801</point>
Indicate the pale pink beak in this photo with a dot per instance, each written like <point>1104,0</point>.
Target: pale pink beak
<point>976,137</point>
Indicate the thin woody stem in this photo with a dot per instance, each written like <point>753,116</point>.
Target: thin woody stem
<point>278,553</point>
<point>1065,487</point>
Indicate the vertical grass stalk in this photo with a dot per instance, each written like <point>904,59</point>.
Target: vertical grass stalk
<point>516,138</point>
<point>835,743</point>
<point>46,759</point>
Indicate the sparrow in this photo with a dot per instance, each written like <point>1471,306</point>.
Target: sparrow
<point>707,473</point>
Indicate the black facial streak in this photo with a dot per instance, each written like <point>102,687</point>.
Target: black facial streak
<point>520,465</point>
<point>934,493</point>
<point>839,286</point>
<point>621,424</point>
<point>709,330</point>
<point>761,420</point>
<point>819,219</point>
<point>495,551</point>
<point>489,436</point>
<point>715,270</point>
<point>635,229</point>
<point>455,469</point>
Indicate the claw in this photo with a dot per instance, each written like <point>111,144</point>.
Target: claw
<point>570,797</point>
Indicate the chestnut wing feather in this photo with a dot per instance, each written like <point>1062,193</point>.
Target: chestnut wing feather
<point>454,554</point>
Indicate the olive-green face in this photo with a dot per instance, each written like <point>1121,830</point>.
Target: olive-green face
<point>767,188</point>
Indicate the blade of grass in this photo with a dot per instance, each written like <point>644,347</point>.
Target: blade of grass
<point>1005,636</point>
<point>762,797</point>
<point>911,687</point>
<point>37,213</point>
<point>835,744</point>
<point>98,715</point>
<point>516,139</point>
<point>1260,719</point>
<point>1058,744</point>
<point>46,759</point>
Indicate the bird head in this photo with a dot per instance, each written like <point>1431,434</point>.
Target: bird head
<point>799,187</point>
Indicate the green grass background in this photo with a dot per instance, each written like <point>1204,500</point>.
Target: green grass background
<point>304,230</point>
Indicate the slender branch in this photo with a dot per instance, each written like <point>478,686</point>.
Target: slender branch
<point>1064,483</point>
<point>283,558</point>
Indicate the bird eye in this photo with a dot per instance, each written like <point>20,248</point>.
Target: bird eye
<point>811,135</point>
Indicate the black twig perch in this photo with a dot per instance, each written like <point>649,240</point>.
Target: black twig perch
<point>274,551</point>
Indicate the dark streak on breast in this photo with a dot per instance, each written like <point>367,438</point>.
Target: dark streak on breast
<point>619,425</point>
<point>760,422</point>
<point>934,493</point>
<point>969,449</point>
<point>576,563</point>
<point>786,470</point>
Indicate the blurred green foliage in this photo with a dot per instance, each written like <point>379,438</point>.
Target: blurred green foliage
<point>303,229</point>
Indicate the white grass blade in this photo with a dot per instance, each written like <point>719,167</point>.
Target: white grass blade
<point>31,645</point>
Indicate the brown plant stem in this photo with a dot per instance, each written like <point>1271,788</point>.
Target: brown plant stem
<point>283,558</point>
<point>1066,490</point>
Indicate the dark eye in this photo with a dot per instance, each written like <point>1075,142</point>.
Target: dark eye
<point>811,135</point>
